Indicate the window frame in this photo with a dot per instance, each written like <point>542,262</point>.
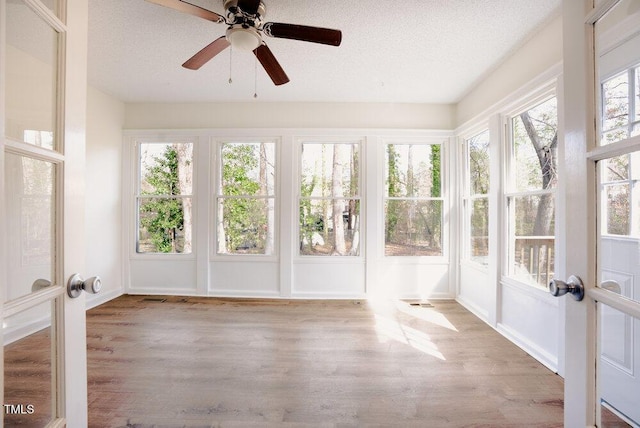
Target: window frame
<point>509,186</point>
<point>468,197</point>
<point>215,195</point>
<point>444,143</point>
<point>359,196</point>
<point>137,196</point>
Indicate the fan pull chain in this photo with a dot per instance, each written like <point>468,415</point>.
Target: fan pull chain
<point>255,78</point>
<point>230,63</point>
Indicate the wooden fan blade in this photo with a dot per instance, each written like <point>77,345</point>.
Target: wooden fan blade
<point>206,53</point>
<point>249,6</point>
<point>189,8</point>
<point>325,36</point>
<point>270,64</point>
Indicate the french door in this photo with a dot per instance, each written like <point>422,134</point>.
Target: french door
<point>42,132</point>
<point>602,210</point>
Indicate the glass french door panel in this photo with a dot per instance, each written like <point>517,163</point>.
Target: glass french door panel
<point>30,208</point>
<point>31,76</point>
<point>619,273</point>
<point>619,366</point>
<point>29,367</point>
<point>619,225</point>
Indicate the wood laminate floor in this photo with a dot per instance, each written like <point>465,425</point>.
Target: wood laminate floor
<point>205,362</point>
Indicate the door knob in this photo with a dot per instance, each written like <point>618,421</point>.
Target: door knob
<point>76,284</point>
<point>573,286</point>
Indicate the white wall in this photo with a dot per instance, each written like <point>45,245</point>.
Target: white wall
<point>289,115</point>
<point>532,59</point>
<point>103,216</point>
<point>528,316</point>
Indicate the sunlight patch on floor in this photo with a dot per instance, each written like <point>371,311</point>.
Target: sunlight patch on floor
<point>390,329</point>
<point>426,314</point>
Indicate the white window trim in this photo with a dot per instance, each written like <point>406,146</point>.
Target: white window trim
<point>445,189</point>
<point>543,94</point>
<point>132,215</point>
<point>466,197</point>
<point>216,144</point>
<point>332,139</point>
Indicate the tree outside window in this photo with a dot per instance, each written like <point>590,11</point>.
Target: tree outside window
<point>329,203</point>
<point>531,196</point>
<point>246,198</point>
<point>164,198</point>
<point>413,200</point>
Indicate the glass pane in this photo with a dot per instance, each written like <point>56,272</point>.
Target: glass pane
<point>330,170</point>
<point>616,169</point>
<point>535,141</point>
<point>248,169</point>
<point>246,226</point>
<point>51,4</point>
<point>330,227</point>
<point>28,368</point>
<point>166,169</point>
<point>165,225</point>
<point>479,231</point>
<point>30,208</point>
<point>619,364</point>
<point>615,110</point>
<point>413,228</point>
<point>165,213</point>
<point>617,213</point>
<point>31,76</point>
<point>479,164</point>
<point>413,170</point>
<point>532,237</point>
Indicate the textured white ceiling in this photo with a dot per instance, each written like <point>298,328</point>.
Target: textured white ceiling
<point>414,51</point>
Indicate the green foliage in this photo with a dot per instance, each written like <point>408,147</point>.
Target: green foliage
<point>243,217</point>
<point>436,176</point>
<point>163,217</point>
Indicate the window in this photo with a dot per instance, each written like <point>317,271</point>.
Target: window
<point>476,198</point>
<point>413,207</point>
<point>164,198</point>
<point>530,198</point>
<point>621,106</point>
<point>329,202</point>
<point>246,198</point>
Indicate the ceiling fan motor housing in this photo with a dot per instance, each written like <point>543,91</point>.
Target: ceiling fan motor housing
<point>231,6</point>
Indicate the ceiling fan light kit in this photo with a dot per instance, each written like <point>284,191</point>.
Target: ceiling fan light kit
<point>245,30</point>
<point>244,39</point>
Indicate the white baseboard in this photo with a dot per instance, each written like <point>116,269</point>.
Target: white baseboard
<point>545,358</point>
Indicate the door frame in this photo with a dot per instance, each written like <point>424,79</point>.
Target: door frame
<point>579,220</point>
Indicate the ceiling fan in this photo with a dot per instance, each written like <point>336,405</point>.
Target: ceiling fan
<point>245,31</point>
